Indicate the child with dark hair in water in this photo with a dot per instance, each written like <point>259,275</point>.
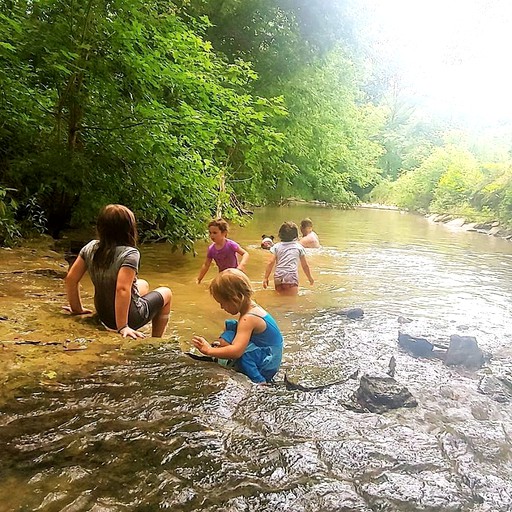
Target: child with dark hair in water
<point>267,241</point>
<point>123,302</point>
<point>286,256</point>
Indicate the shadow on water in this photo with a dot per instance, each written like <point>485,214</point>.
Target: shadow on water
<point>161,431</point>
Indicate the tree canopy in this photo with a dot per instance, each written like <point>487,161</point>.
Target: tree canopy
<point>186,109</point>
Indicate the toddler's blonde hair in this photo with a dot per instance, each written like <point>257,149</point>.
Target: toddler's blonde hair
<point>232,285</point>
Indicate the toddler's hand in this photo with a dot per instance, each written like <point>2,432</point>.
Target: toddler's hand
<point>265,283</point>
<point>311,282</point>
<point>202,345</point>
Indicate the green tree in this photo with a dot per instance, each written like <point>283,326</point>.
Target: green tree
<point>330,132</point>
<point>306,52</point>
<point>130,104</point>
<point>445,181</point>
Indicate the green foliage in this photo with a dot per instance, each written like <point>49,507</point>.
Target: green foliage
<point>303,51</point>
<point>126,102</point>
<point>495,191</point>
<point>452,180</point>
<point>279,37</point>
<point>9,231</point>
<point>183,109</point>
<point>406,138</point>
<point>458,183</point>
<point>382,193</point>
<point>445,180</point>
<point>329,133</point>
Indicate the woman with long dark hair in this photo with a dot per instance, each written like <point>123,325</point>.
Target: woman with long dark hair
<point>123,302</point>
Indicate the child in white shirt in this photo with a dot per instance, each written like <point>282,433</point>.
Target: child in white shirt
<point>286,256</point>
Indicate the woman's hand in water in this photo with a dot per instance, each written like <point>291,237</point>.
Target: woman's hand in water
<point>83,312</point>
<point>202,345</point>
<point>128,332</point>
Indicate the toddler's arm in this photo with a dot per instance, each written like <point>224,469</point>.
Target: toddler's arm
<point>204,269</point>
<point>236,348</point>
<point>305,267</point>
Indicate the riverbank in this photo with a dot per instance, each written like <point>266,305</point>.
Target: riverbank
<point>41,344</point>
<point>490,228</point>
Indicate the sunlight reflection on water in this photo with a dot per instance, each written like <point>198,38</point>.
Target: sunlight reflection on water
<point>165,432</point>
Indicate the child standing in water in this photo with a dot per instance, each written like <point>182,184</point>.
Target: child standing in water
<point>286,256</point>
<point>255,342</point>
<point>309,237</point>
<point>223,250</point>
<point>123,302</point>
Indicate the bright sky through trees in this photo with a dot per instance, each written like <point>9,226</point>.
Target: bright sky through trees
<point>454,54</point>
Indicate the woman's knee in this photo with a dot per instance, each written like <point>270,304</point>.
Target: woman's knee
<point>142,286</point>
<point>166,294</point>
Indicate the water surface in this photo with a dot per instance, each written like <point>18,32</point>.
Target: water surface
<point>161,431</point>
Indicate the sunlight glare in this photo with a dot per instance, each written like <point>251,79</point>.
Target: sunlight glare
<point>454,54</point>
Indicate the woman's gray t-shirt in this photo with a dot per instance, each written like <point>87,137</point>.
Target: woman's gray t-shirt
<point>105,281</point>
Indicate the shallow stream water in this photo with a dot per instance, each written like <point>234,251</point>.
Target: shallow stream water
<point>157,430</point>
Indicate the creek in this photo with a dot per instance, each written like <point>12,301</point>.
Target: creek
<point>125,426</point>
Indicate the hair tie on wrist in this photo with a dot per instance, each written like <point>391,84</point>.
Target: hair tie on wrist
<point>119,330</point>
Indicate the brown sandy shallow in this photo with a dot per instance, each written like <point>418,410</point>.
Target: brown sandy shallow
<point>40,343</point>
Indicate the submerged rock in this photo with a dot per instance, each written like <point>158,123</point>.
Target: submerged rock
<point>50,272</point>
<point>464,350</point>
<point>382,393</point>
<point>46,272</point>
<point>295,386</point>
<point>418,347</point>
<point>352,313</point>
<point>498,389</point>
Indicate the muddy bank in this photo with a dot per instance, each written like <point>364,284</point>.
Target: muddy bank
<point>39,342</point>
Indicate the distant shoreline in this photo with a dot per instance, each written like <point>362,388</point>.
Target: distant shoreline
<point>380,206</point>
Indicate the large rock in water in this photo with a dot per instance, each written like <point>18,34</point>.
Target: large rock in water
<point>464,351</point>
<point>379,394</point>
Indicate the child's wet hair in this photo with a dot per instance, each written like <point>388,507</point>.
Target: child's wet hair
<point>232,285</point>
<point>288,231</point>
<point>219,223</point>
<point>306,223</point>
